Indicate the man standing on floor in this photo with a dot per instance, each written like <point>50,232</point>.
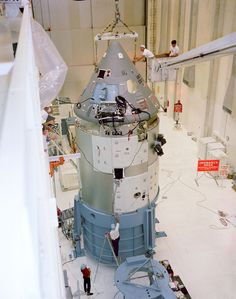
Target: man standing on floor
<point>86,276</point>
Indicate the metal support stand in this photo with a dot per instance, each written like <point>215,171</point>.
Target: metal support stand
<point>77,229</point>
<point>127,275</point>
<point>106,238</point>
<point>67,287</point>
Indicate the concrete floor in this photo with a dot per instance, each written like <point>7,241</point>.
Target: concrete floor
<point>201,250</point>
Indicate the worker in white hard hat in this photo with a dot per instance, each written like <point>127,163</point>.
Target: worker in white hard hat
<point>145,54</point>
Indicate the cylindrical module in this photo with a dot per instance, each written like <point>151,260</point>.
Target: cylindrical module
<point>116,131</point>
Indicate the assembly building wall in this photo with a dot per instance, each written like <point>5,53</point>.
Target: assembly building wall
<point>201,22</point>
<point>73,25</point>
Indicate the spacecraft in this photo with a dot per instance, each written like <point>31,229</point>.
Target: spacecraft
<point>117,136</point>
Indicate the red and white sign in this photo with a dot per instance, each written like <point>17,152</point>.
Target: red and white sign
<point>224,171</point>
<point>178,107</point>
<point>208,165</point>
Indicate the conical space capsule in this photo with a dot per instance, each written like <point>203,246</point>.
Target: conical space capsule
<point>117,136</point>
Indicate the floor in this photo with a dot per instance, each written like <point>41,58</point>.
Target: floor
<point>201,250</point>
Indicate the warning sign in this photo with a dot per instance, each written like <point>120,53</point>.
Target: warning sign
<point>208,165</point>
<point>224,171</point>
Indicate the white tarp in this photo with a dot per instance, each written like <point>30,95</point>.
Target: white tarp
<point>50,64</point>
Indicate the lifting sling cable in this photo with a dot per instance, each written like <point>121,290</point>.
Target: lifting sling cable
<point>109,34</point>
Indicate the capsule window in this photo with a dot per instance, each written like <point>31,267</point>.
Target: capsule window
<point>131,86</point>
<point>101,74</point>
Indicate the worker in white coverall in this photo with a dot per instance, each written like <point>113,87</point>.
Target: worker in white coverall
<point>115,237</point>
<point>173,51</point>
<point>146,54</point>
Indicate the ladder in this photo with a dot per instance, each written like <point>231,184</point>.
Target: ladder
<point>106,238</point>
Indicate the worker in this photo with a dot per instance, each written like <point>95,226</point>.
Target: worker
<point>174,49</point>
<point>46,138</point>
<point>47,126</point>
<point>173,52</point>
<point>45,113</point>
<point>148,55</point>
<point>86,276</point>
<point>115,237</point>
<point>50,121</point>
<point>170,271</point>
<point>145,54</point>
<point>59,217</point>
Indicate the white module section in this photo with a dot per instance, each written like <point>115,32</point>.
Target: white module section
<point>101,147</point>
<point>128,151</point>
<point>131,193</point>
<point>110,153</point>
<point>153,180</point>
